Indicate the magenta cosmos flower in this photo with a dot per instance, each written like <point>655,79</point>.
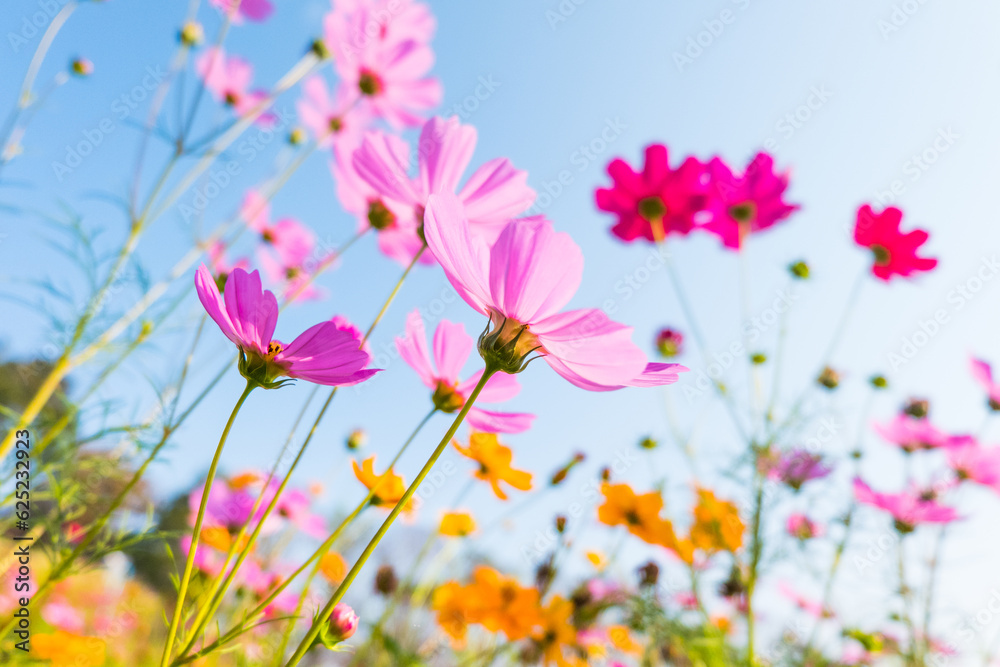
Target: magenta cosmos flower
<point>983,374</point>
<point>326,353</point>
<point>748,203</point>
<point>802,527</point>
<point>238,10</point>
<point>452,346</point>
<point>671,197</point>
<point>911,433</point>
<point>522,282</point>
<point>797,467</point>
<point>493,194</point>
<point>909,509</point>
<point>330,117</point>
<point>895,252</point>
<point>228,79</point>
<point>380,48</point>
<point>973,462</point>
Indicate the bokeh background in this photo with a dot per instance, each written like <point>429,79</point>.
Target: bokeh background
<point>877,101</point>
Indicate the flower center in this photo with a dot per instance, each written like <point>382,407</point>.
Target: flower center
<point>882,255</point>
<point>267,236</point>
<point>232,99</point>
<point>379,215</point>
<point>446,398</point>
<point>652,208</point>
<point>370,83</point>
<point>745,212</point>
<point>273,348</point>
<point>336,124</point>
<point>632,517</point>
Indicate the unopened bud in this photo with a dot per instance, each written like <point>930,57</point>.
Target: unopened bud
<point>799,270</point>
<point>386,581</point>
<point>829,378</point>
<point>191,34</point>
<point>917,407</point>
<point>81,67</point>
<point>357,439</point>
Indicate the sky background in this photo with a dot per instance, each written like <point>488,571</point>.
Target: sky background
<point>888,82</point>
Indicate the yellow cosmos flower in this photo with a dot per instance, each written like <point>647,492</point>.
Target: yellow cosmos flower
<point>333,567</point>
<point>717,525</point>
<point>457,524</point>
<point>389,490</point>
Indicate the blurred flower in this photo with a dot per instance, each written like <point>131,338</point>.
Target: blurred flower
<point>639,513</point>
<point>228,79</point>
<point>973,462</point>
<point>386,581</point>
<point>802,527</point>
<point>389,491</point>
<point>457,524</point>
<point>220,266</point>
<point>494,461</point>
<point>621,639</point>
<point>668,198</point>
<point>811,607</point>
<point>522,283</point>
<point>669,342</point>
<point>493,194</point>
<point>357,439</point>
<point>452,347</point>
<point>64,649</point>
<point>327,353</point>
<point>909,508</point>
<point>717,524</point>
<point>557,634</point>
<point>797,467</point>
<point>597,559</point>
<point>191,34</point>
<point>330,117</point>
<point>380,49</point>
<point>342,625</point>
<point>237,10</point>
<point>911,433</point>
<point>741,205</point>
<point>289,239</point>
<point>895,252</point>
<point>333,567</point>
<point>983,374</point>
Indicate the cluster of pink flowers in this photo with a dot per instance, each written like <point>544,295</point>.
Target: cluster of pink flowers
<point>661,201</point>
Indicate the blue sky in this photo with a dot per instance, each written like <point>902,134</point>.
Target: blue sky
<point>864,101</point>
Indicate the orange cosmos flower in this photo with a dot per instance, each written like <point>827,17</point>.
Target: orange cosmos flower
<point>390,489</point>
<point>557,634</point>
<point>333,567</point>
<point>457,524</point>
<point>449,601</point>
<point>622,640</point>
<point>502,604</point>
<point>494,463</point>
<point>717,525</point>
<point>640,514</point>
<point>64,649</point>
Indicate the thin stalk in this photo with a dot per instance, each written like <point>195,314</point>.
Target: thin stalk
<point>196,531</point>
<point>324,615</point>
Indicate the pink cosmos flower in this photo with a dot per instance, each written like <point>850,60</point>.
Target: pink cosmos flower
<point>289,239</point>
<point>909,508</point>
<point>797,467</point>
<point>802,527</point>
<point>911,433</point>
<point>493,194</point>
<point>395,223</point>
<point>228,79</point>
<point>811,607</point>
<point>522,282</point>
<point>238,10</point>
<point>669,342</point>
<point>325,353</point>
<point>382,52</point>
<point>748,203</point>
<point>452,346</point>
<point>895,252</point>
<point>220,266</point>
<point>657,193</point>
<point>973,462</point>
<point>983,374</point>
<point>330,117</point>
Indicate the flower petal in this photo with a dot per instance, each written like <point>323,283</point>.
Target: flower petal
<point>412,346</point>
<point>452,347</point>
<point>464,260</point>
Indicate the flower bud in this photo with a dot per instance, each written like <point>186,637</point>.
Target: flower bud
<point>342,625</point>
<point>605,474</point>
<point>879,381</point>
<point>917,407</point>
<point>669,342</point>
<point>297,136</point>
<point>191,34</point>
<point>386,581</point>
<point>649,574</point>
<point>648,443</point>
<point>799,270</point>
<point>357,439</point>
<point>758,358</point>
<point>81,67</point>
<point>560,475</point>
<point>829,378</point>
<point>318,47</point>
<point>560,524</point>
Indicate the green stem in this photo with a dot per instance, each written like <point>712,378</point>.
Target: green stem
<point>324,615</point>
<point>756,547</point>
<point>196,531</point>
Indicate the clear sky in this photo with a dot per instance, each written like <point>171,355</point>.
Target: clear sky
<point>857,98</point>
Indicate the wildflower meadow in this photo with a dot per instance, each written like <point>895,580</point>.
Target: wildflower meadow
<point>384,333</point>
